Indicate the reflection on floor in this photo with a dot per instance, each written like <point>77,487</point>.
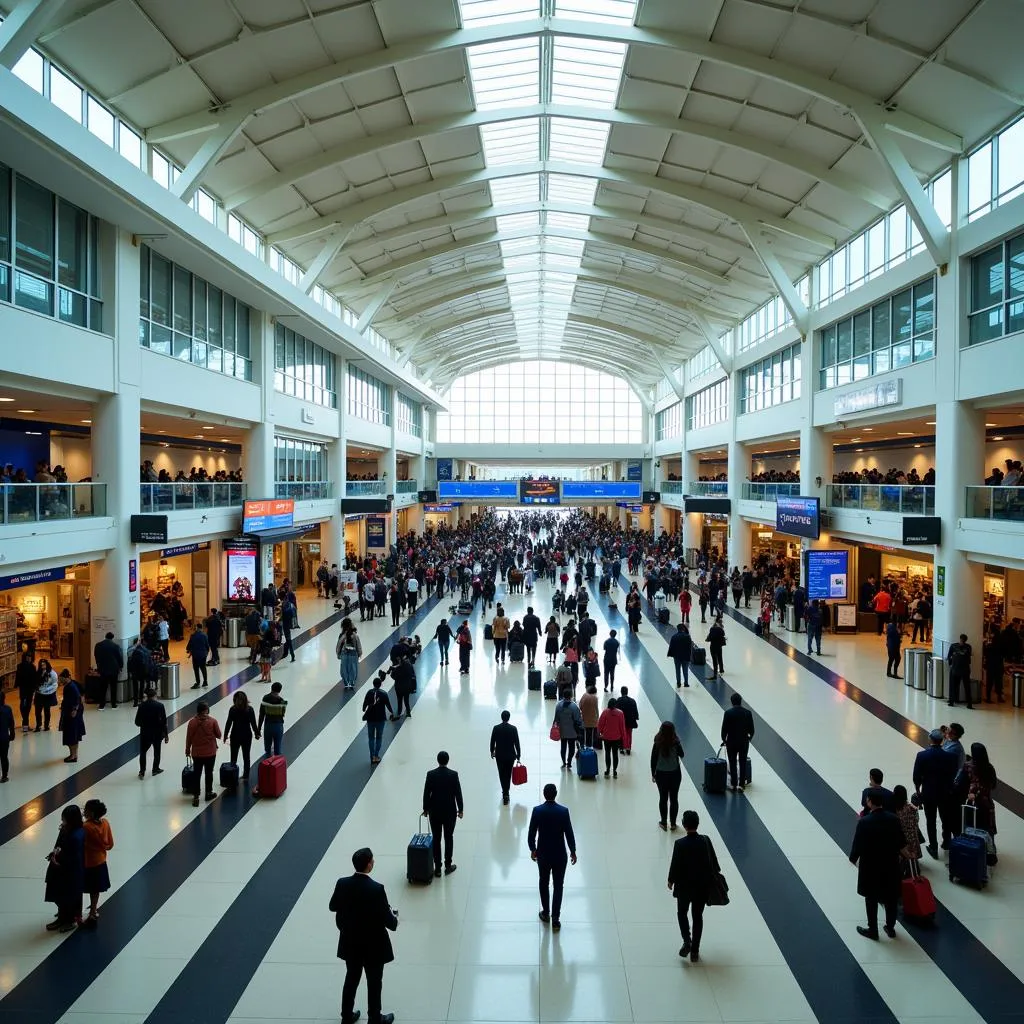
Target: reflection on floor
<point>230,900</point>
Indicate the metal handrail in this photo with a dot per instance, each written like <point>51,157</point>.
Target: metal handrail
<point>671,486</point>
<point>406,487</point>
<point>907,499</point>
<point>362,488</point>
<point>708,487</point>
<point>304,490</point>
<point>768,491</point>
<point>186,495</point>
<point>1004,503</point>
<point>42,503</point>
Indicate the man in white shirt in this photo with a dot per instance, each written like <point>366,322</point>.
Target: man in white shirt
<point>412,591</point>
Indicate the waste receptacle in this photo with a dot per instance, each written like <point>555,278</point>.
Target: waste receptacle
<point>233,633</point>
<point>1017,691</point>
<point>922,671</point>
<point>791,618</point>
<point>910,664</point>
<point>937,678</point>
<point>170,683</point>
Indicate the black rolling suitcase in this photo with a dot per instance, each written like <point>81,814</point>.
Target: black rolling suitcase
<point>551,690</point>
<point>516,651</point>
<point>698,655</point>
<point>663,616</point>
<point>229,775</point>
<point>419,858</point>
<point>716,770</point>
<point>465,608</point>
<point>533,679</point>
<point>488,632</point>
<point>190,779</point>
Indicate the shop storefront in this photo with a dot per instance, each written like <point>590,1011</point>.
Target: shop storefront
<point>298,559</point>
<point>436,515</point>
<point>765,542</point>
<point>180,580</point>
<point>1003,596</point>
<point>47,614</point>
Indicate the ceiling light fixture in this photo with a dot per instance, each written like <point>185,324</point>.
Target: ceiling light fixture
<point>209,428</point>
<point>991,424</point>
<point>929,423</point>
<point>904,433</point>
<point>917,446</point>
<point>868,430</point>
<point>26,411</point>
<point>87,421</point>
<point>6,399</point>
<point>999,438</point>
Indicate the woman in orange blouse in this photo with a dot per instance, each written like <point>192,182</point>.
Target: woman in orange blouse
<point>98,841</point>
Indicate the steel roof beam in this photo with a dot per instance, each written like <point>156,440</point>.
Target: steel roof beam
<point>23,26</point>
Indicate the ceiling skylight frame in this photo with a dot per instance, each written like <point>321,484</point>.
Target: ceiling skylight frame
<point>519,188</point>
<point>608,12</point>
<point>577,140</point>
<point>511,142</point>
<point>481,13</point>
<point>572,188</point>
<point>586,72</point>
<point>506,73</point>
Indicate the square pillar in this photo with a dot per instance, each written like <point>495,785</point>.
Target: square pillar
<point>739,530</point>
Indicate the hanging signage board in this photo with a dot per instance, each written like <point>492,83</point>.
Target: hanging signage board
<point>25,578</point>
<point>149,529</point>
<point>184,549</point>
<point>922,530</point>
<point>269,514</point>
<point>798,516</point>
<point>376,532</point>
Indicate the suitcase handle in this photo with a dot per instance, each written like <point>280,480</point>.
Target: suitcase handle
<point>963,816</point>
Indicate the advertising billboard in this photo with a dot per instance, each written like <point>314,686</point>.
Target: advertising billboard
<point>479,490</point>
<point>376,532</point>
<point>828,575</point>
<point>798,516</point>
<point>269,514</point>
<point>241,566</point>
<point>597,489</point>
<point>538,492</point>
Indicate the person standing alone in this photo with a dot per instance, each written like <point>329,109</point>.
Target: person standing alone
<point>959,660</point>
<point>442,804</point>
<point>364,917</point>
<point>549,834</point>
<point>109,662</point>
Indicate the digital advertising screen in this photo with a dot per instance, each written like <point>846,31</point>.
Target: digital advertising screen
<point>376,532</point>
<point>241,560</point>
<point>828,575</point>
<point>597,489</point>
<point>270,514</point>
<point>477,489</point>
<point>798,516</point>
<point>538,492</point>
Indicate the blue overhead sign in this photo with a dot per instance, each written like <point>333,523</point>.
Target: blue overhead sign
<point>603,489</point>
<point>24,579</point>
<point>828,575</point>
<point>798,516</point>
<point>478,489</point>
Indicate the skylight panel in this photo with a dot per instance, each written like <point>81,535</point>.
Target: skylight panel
<point>478,13</point>
<point>520,188</point>
<point>505,74</point>
<point>583,142</point>
<point>586,71</point>
<point>615,12</point>
<point>516,246</point>
<point>572,221</point>
<point>511,142</point>
<point>572,188</point>
<point>518,221</point>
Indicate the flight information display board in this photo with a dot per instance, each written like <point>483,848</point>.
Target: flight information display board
<point>538,492</point>
<point>828,575</point>
<point>602,489</point>
<point>479,490</point>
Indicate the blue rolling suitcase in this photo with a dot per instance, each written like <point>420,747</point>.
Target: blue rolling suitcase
<point>968,857</point>
<point>716,770</point>
<point>190,779</point>
<point>419,858</point>
<point>586,763</point>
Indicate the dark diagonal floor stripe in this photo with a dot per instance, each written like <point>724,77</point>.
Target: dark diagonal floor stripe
<point>50,990</point>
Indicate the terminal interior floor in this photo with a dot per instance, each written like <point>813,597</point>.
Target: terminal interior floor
<point>220,913</point>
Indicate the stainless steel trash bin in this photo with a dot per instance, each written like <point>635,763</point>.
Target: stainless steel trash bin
<point>791,618</point>
<point>170,682</point>
<point>937,679</point>
<point>1017,689</point>
<point>910,664</point>
<point>922,673</point>
<point>233,633</point>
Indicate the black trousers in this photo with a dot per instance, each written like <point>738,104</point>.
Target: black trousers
<point>138,689</point>
<point>872,908</point>
<point>5,761</point>
<point>892,666</point>
<point>883,621</point>
<point>286,647</point>
<point>443,825</point>
<point>609,674</point>
<point>464,657</point>
<point>716,660</point>
<point>531,653</point>
<point>241,742</point>
<point>402,699</point>
<point>214,652</point>
<point>443,649</point>
<point>933,809</point>
<point>145,742</point>
<point>199,670</point>
<point>551,871</point>
<point>42,708</point>
<point>568,750</point>
<point>505,775</point>
<point>374,981</point>
<point>396,613</point>
<point>737,753</point>
<point>108,682</point>
<point>668,795</point>
<point>955,680</point>
<point>205,765</point>
<point>611,755</point>
<point>500,648</point>
<point>410,601</point>
<point>686,909</point>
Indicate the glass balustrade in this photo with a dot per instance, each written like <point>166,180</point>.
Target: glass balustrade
<point>671,486</point>
<point>305,490</point>
<point>908,499</point>
<point>708,488</point>
<point>406,487</point>
<point>1004,503</point>
<point>768,491</point>
<point>364,488</point>
<point>185,495</point>
<point>44,503</point>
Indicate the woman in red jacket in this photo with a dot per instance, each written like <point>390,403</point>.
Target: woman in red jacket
<point>201,745</point>
<point>612,727</point>
<point>685,604</point>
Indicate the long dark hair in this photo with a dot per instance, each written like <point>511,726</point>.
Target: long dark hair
<point>982,765</point>
<point>666,738</point>
<point>72,816</point>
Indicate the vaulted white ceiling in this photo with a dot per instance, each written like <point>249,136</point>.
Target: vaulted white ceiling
<point>604,181</point>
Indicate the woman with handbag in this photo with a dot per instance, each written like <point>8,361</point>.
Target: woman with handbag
<point>695,880</point>
<point>46,694</point>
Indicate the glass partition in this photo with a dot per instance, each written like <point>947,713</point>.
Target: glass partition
<point>43,503</point>
<point>177,497</point>
<point>908,499</point>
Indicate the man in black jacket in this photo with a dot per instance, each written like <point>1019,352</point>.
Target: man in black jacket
<point>364,917</point>
<point>882,796</point>
<point>214,633</point>
<point>109,662</point>
<point>737,732</point>
<point>679,648</point>
<point>631,713</point>
<point>694,864</point>
<point>442,803</point>
<point>934,772</point>
<point>876,852</point>
<point>531,634</point>
<point>151,718</point>
<point>506,751</point>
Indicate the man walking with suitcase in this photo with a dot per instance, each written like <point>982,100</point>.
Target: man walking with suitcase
<point>442,804</point>
<point>364,917</point>
<point>549,834</point>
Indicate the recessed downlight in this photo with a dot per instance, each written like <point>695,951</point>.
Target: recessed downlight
<point>991,424</point>
<point>905,433</point>
<point>7,399</point>
<point>87,421</point>
<point>999,438</point>
<point>27,412</point>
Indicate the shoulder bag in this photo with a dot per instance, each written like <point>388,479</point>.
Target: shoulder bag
<point>718,888</point>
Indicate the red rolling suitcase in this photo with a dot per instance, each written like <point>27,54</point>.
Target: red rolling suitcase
<point>273,776</point>
<point>916,894</point>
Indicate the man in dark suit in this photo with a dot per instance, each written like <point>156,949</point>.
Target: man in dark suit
<point>876,852</point>
<point>364,917</point>
<point>934,772</point>
<point>549,834</point>
<point>690,872</point>
<point>680,647</point>
<point>737,732</point>
<point>883,796</point>
<point>631,713</point>
<point>109,662</point>
<point>442,803</point>
<point>505,751</point>
<point>532,628</point>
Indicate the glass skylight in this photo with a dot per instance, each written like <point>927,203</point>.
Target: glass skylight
<point>617,12</point>
<point>572,221</point>
<point>511,142</point>
<point>520,188</point>
<point>572,188</point>
<point>505,74</point>
<point>518,221</point>
<point>477,13</point>
<point>581,141</point>
<point>586,71</point>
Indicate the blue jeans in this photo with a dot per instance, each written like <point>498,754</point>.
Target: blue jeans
<point>349,668</point>
<point>273,737</point>
<point>814,633</point>
<point>375,733</point>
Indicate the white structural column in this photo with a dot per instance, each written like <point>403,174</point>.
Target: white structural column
<point>389,463</point>
<point>739,529</point>
<point>332,533</point>
<point>258,451</point>
<point>115,459</point>
<point>692,522</point>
